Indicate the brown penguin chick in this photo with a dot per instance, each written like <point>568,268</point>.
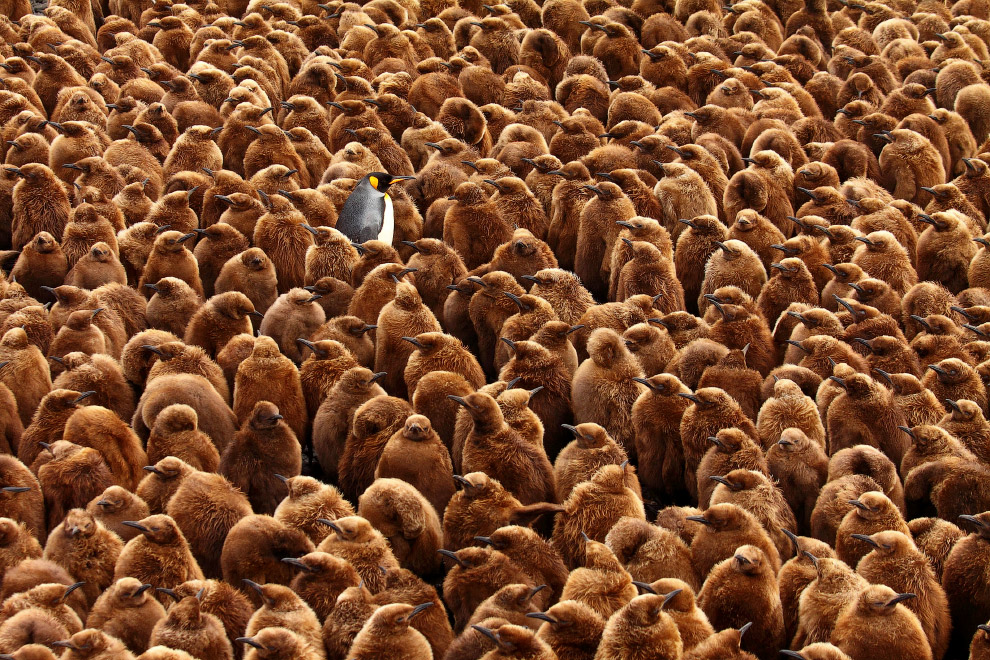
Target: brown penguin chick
<point>376,291</point>
<point>188,627</point>
<point>71,478</point>
<point>731,449</point>
<point>21,497</point>
<point>280,643</point>
<point>50,599</point>
<point>871,512</point>
<point>160,555</point>
<point>945,250</point>
<point>600,583</point>
<point>171,258</point>
<point>511,604</point>
<point>734,264</point>
<point>648,272</point>
<point>712,409</point>
<point>471,216</point>
<point>723,644</point>
<point>864,415</point>
<point>365,548</point>
<point>293,315</point>
<point>740,328</point>
<point>564,291</point>
<point>407,520</point>
<point>897,563</point>
<point>18,543</point>
<point>872,620</point>
<point>524,254</point>
<point>282,236</point>
<point>115,505</point>
<point>73,545</point>
<point>103,430</point>
<point>350,386</point>
<point>935,539</point>
<point>882,257</point>
<point>788,407</point>
<point>80,334</point>
<point>749,570</point>
<point>28,378</point>
<point>308,500</point>
<point>321,579</point>
<point>931,443</point>
<point>792,282</point>
<point>407,314</point>
<point>40,203</point>
<point>332,255</point>
<point>128,612</point>
<point>652,346</point>
<point>596,234</point>
<point>172,305</point>
<point>254,548</point>
<point>218,243</point>
<point>871,462</point>
<point>650,552</point>
<point>642,624</point>
<point>581,515</point>
<point>252,274</point>
<point>800,467</point>
<point>41,263</point>
<point>758,233</point>
<point>481,507</point>
<point>388,631</point>
<point>755,492</point>
<point>247,461</point>
<point>966,422</point>
<point>204,491</point>
<point>796,574</point>
<point>374,422</point>
<point>372,254</point>
<point>608,375</point>
<point>726,527</point>
<point>591,449</point>
<point>912,162</point>
<point>656,420</point>
<point>498,450</point>
<point>418,445</point>
<point>694,246</point>
<point>174,209</point>
<point>967,557</point>
<point>833,586</point>
<point>215,416</point>
<point>220,599</point>
<point>164,479</point>
<point>436,351</point>
<point>488,311</point>
<point>437,266</point>
<point>251,385</point>
<point>524,546</point>
<point>354,606</point>
<point>954,379</point>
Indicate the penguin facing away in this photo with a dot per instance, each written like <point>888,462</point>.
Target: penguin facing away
<point>367,211</point>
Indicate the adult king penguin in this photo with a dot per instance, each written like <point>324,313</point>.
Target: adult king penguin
<point>367,212</point>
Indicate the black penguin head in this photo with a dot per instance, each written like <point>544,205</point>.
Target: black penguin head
<point>380,181</point>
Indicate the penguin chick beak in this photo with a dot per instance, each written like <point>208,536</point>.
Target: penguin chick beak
<point>250,642</point>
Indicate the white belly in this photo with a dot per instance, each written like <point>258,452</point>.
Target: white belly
<point>388,223</point>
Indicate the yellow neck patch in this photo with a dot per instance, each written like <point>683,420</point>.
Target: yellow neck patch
<point>373,181</point>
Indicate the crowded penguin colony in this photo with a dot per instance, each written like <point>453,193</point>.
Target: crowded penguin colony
<point>432,329</point>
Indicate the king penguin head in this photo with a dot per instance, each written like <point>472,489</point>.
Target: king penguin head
<point>380,181</point>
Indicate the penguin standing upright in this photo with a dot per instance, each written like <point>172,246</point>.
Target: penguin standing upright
<point>367,212</point>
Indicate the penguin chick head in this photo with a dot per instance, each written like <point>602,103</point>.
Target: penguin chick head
<point>793,440</point>
<point>86,643</point>
<point>872,505</point>
<point>79,523</point>
<point>44,243</point>
<point>589,435</point>
<point>749,560</point>
<point>264,416</point>
<point>879,600</point>
<point>169,468</point>
<point>159,529</point>
<point>113,499</point>
<point>353,529</point>
<point>965,410</point>
<point>417,428</point>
